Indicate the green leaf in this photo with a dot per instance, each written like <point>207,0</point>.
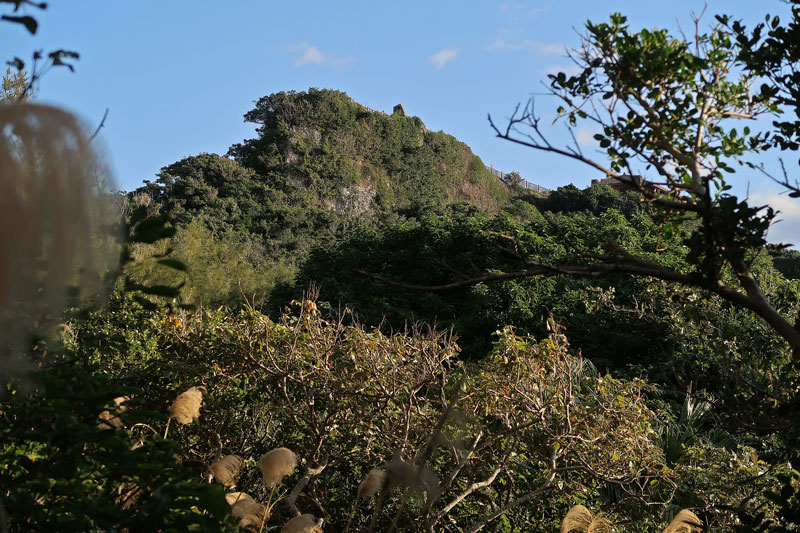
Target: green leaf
<point>29,22</point>
<point>17,63</point>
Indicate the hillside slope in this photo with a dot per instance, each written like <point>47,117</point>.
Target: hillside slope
<point>320,165</point>
<point>351,156</point>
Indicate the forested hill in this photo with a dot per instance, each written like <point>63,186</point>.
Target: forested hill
<point>324,141</point>
<point>321,164</point>
<point>348,323</point>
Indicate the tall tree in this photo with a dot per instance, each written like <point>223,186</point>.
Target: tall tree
<point>771,51</point>
<point>667,110</point>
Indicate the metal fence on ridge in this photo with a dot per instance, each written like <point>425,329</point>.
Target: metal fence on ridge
<point>525,184</point>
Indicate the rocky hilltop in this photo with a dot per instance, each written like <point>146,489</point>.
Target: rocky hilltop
<point>321,164</point>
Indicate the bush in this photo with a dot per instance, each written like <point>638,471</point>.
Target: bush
<point>523,435</point>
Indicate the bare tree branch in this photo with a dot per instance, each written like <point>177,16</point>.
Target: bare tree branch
<point>291,499</point>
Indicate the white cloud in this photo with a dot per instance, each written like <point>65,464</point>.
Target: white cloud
<point>511,6</point>
<point>342,63</point>
<point>787,227</point>
<point>537,47</point>
<point>308,54</point>
<point>440,59</point>
<point>585,136</point>
<point>517,7</point>
<point>786,231</point>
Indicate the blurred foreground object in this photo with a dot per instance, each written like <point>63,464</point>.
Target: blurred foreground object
<point>57,218</point>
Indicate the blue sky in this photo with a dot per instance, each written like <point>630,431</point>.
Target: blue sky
<point>177,76</point>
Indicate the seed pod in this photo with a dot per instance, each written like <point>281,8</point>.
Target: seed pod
<point>276,465</point>
<point>251,514</point>
<point>684,522</point>
<point>186,406</point>
<point>226,469</point>
<point>109,419</point>
<point>305,523</point>
<point>372,484</point>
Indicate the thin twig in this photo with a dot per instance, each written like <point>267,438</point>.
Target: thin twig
<point>100,126</point>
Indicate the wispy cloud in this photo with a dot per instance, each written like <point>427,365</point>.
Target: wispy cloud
<point>506,6</point>
<point>308,54</point>
<point>585,136</point>
<point>443,57</point>
<point>787,229</point>
<point>500,44</point>
<point>519,7</point>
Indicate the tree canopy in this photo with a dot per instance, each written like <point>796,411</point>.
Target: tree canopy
<point>668,109</point>
<point>412,344</point>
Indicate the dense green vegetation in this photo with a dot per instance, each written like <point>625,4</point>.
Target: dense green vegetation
<point>350,292</point>
<point>321,166</point>
<point>337,394</point>
<point>629,326</point>
<point>787,262</point>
